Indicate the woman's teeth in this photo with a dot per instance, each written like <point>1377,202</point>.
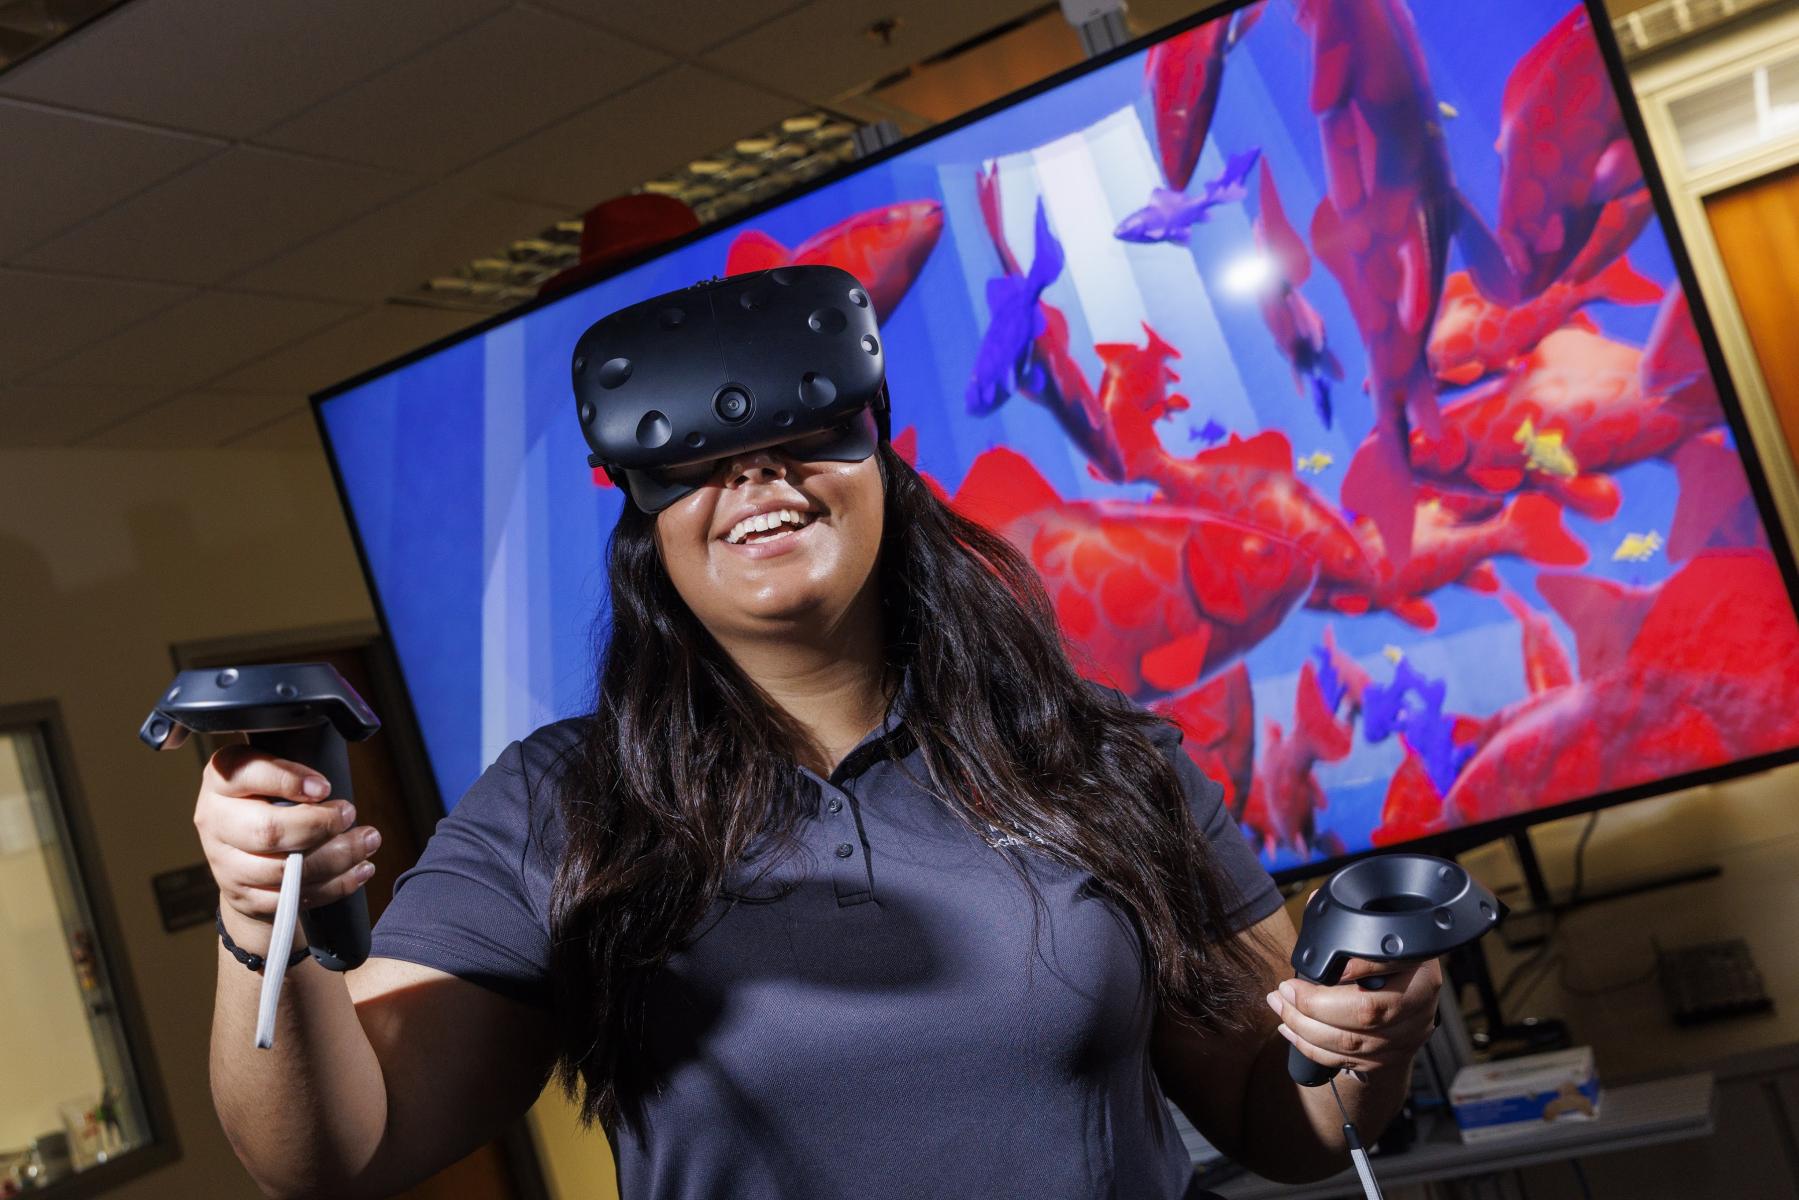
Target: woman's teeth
<point>783,522</point>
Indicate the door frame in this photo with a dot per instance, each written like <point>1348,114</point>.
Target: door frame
<point>1659,82</point>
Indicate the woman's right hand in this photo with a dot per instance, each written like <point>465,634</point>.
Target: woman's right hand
<point>247,839</point>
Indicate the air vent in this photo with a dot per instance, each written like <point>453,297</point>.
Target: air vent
<point>715,185</point>
<point>1664,23</point>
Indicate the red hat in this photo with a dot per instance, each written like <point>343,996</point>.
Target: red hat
<point>615,229</point>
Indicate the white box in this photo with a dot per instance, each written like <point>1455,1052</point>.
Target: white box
<point>1519,1095</point>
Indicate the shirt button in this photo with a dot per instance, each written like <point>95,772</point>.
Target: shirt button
<point>844,849</point>
<point>835,806</point>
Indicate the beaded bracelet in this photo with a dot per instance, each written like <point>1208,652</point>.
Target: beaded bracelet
<point>254,961</point>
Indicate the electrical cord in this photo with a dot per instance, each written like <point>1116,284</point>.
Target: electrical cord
<point>1580,1177</point>
<point>1516,975</point>
<point>1580,856</point>
<point>1547,956</point>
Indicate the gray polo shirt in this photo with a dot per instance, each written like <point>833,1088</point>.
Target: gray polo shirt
<point>888,1029</point>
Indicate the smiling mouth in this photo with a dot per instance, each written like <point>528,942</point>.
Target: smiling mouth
<point>768,527</point>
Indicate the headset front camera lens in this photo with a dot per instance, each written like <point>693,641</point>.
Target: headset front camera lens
<point>732,404</point>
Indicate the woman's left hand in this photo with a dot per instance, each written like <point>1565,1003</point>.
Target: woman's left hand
<point>1354,1029</point>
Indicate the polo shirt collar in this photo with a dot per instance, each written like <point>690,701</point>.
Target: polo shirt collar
<point>890,736</point>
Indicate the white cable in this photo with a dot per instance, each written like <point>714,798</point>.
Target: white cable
<point>281,944</point>
<point>1357,1155</point>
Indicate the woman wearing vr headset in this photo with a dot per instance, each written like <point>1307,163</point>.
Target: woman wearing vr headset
<point>849,885</point>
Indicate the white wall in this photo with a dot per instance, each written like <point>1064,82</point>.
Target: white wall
<point>107,557</point>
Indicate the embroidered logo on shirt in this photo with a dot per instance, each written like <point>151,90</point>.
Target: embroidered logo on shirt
<point>999,838</point>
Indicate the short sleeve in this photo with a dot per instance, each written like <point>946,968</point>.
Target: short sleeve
<point>476,903</point>
<point>1253,893</point>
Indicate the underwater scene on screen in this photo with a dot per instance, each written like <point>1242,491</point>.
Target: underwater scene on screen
<point>1328,361</point>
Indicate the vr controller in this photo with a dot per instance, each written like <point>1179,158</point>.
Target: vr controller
<point>305,713</point>
<point>1389,908</point>
<point>727,366</point>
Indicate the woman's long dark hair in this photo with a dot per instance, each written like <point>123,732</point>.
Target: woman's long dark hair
<point>684,762</point>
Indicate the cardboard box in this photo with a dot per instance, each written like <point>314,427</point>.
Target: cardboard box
<point>1519,1095</point>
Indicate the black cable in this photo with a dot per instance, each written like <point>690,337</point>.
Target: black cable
<point>1535,959</point>
<point>1580,857</point>
<point>1580,1177</point>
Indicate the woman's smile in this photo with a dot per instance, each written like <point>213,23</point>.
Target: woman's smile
<point>780,539</point>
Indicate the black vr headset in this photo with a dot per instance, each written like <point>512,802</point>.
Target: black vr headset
<point>668,387</point>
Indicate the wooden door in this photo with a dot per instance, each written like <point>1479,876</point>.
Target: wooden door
<point>1757,229</point>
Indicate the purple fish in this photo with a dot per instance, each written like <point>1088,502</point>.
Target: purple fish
<point>1412,705</point>
<point>1209,433</point>
<point>1004,363</point>
<point>1330,684</point>
<point>1170,216</point>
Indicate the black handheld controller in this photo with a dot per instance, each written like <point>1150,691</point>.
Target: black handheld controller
<point>303,712</point>
<point>1389,908</point>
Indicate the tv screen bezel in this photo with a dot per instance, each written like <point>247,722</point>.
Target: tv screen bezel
<point>1450,842</point>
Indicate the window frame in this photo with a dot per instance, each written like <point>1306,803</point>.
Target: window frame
<point>43,718</point>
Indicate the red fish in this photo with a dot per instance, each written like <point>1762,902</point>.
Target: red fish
<point>1297,328</point>
<point>1133,396</point>
<point>1444,552</point>
<point>1583,400</point>
<point>1253,481</point>
<point>1350,674</point>
<point>1218,722</point>
<point>1698,671</point>
<point>1413,808</point>
<point>1475,337</point>
<point>1546,664</point>
<point>1155,597</point>
<point>1183,75</point>
<point>1620,223</point>
<point>883,247</point>
<point>1674,357</point>
<point>1565,155</point>
<point>1461,505</point>
<point>1383,227</point>
<point>1715,509</point>
<point>1284,772</point>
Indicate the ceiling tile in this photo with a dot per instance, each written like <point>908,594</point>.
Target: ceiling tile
<point>214,66</point>
<point>195,341</point>
<point>226,214</point>
<point>77,166</point>
<point>683,27</point>
<point>49,316</point>
<point>56,416</point>
<point>470,94</point>
<point>193,420</point>
<point>395,248</point>
<point>824,48</point>
<point>296,431</point>
<point>614,145</point>
<point>384,332</point>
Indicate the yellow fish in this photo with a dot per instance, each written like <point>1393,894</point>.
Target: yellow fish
<point>1447,109</point>
<point>1392,653</point>
<point>1637,547</point>
<point>1544,451</point>
<point>1315,462</point>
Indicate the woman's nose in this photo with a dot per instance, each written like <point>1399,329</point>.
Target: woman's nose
<point>756,466</point>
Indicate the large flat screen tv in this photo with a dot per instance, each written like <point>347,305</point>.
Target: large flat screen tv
<point>1334,362</point>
